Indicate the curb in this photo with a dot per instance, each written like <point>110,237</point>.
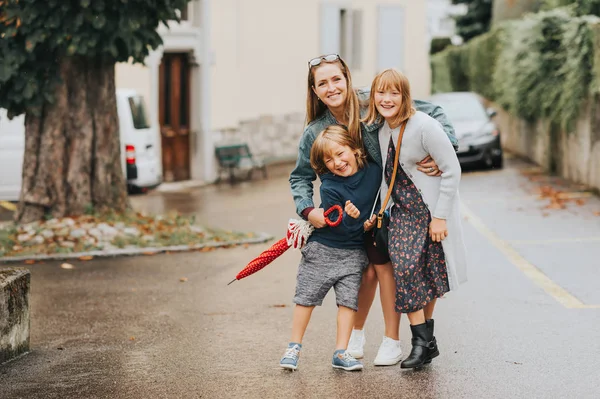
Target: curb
<point>260,238</point>
<point>15,284</point>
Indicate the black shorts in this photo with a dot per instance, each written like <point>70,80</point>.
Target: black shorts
<point>375,257</point>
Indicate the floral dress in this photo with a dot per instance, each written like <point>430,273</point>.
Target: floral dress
<point>419,263</point>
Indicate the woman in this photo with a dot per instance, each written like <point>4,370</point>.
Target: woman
<point>331,100</point>
<point>425,233</point>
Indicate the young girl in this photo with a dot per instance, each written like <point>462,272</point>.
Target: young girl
<point>425,234</point>
<point>332,100</point>
<point>335,256</point>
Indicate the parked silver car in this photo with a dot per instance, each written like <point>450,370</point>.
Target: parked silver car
<point>478,136</point>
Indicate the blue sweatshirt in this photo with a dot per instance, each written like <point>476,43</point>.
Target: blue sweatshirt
<point>360,188</point>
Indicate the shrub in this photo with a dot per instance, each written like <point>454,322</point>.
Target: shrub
<point>543,66</point>
<point>439,44</point>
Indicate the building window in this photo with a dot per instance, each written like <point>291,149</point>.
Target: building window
<point>343,34</point>
<point>357,31</point>
<point>341,30</point>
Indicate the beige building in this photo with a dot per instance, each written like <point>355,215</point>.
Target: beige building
<point>235,70</point>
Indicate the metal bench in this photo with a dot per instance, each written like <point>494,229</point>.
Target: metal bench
<point>237,157</point>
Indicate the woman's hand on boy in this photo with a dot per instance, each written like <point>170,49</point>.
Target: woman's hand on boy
<point>351,210</point>
<point>438,230</point>
<point>316,218</point>
<point>429,167</point>
<point>369,224</point>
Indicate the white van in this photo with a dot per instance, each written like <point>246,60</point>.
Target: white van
<point>140,151</point>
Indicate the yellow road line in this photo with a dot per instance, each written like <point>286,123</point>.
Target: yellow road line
<point>530,271</point>
<point>8,205</point>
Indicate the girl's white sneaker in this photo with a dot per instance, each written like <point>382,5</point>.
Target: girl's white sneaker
<point>389,353</point>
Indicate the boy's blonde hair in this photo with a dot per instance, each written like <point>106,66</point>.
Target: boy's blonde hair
<point>386,80</point>
<point>320,148</point>
<point>315,108</point>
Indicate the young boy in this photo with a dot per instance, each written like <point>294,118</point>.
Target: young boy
<point>335,256</point>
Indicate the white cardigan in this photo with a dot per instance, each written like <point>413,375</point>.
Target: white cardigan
<point>424,136</point>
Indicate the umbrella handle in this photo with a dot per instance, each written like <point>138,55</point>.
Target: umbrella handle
<point>330,222</point>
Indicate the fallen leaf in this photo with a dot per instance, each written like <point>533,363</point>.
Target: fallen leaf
<point>29,262</point>
<point>149,253</point>
<point>67,266</point>
<point>183,279</point>
<point>132,338</point>
<point>8,205</point>
<point>87,257</point>
<point>279,306</point>
<point>555,205</point>
<point>207,249</point>
<point>545,214</point>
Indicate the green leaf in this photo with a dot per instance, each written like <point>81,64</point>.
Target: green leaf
<point>99,21</point>
<point>29,91</point>
<point>85,3</point>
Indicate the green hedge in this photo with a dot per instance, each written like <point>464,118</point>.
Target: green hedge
<point>439,44</point>
<point>543,66</point>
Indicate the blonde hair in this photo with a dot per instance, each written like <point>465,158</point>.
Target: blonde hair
<point>320,148</point>
<point>386,80</point>
<point>315,108</point>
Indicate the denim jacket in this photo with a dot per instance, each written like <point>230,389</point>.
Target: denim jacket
<point>302,177</point>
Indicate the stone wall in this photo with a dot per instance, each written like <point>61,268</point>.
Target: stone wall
<point>574,154</point>
<point>14,313</point>
<point>273,138</point>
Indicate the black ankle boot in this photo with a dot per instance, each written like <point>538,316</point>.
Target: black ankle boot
<point>434,351</point>
<point>421,346</point>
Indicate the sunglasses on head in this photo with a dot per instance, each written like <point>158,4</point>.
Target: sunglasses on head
<point>327,58</point>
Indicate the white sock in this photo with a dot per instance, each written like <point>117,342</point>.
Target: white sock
<point>358,333</point>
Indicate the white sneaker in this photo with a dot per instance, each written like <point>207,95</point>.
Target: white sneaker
<point>356,344</point>
<point>389,353</point>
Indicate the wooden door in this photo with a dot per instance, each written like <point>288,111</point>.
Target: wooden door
<point>174,116</point>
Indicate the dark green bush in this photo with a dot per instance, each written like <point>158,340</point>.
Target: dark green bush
<point>439,44</point>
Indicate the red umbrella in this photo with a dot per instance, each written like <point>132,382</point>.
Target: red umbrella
<point>297,234</point>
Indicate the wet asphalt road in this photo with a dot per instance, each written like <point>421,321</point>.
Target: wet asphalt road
<point>526,325</point>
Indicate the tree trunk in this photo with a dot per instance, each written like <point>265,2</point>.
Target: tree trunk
<point>72,159</point>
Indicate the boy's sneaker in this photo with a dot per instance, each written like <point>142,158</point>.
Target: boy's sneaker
<point>389,353</point>
<point>290,357</point>
<point>357,343</point>
<point>344,360</point>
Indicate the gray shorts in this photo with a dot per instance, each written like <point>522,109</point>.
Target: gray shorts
<point>323,267</point>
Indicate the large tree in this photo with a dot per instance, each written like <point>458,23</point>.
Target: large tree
<point>477,19</point>
<point>57,66</point>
